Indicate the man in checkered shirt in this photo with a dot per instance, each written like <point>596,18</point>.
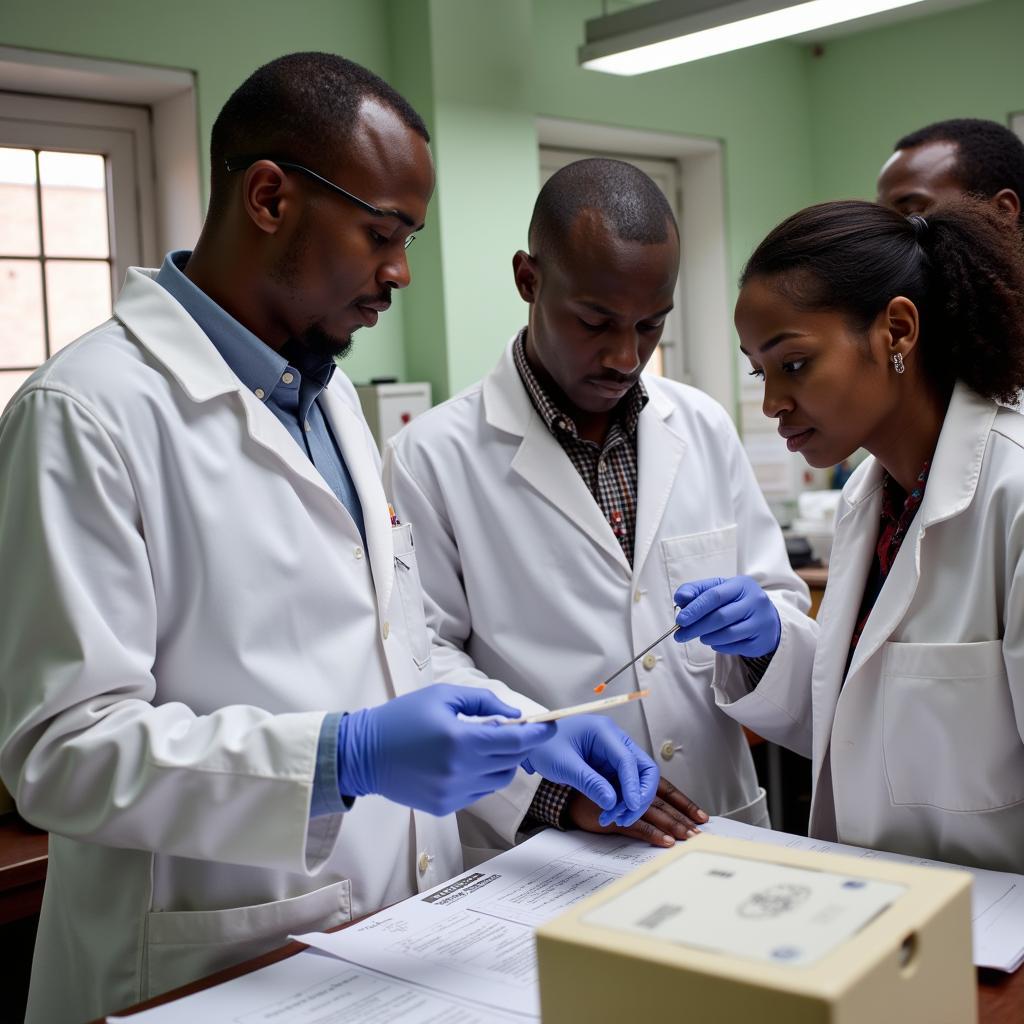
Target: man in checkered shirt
<point>560,502</point>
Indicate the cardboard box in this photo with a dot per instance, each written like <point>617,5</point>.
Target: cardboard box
<point>729,931</point>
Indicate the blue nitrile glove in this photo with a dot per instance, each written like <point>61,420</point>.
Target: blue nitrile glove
<point>592,754</point>
<point>416,751</point>
<point>731,616</point>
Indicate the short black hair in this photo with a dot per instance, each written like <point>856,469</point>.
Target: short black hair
<point>960,267</point>
<point>295,107</point>
<point>990,157</point>
<point>630,202</point>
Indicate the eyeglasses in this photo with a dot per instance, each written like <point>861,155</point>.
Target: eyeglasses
<point>241,163</point>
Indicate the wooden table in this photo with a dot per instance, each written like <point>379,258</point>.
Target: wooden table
<point>815,576</point>
<point>1000,996</point>
<point>22,868</point>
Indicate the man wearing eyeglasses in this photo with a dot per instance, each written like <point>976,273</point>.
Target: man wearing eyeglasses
<point>214,665</point>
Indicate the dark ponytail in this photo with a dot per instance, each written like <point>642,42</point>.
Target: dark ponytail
<point>962,266</point>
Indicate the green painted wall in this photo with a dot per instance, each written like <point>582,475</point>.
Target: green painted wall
<point>465,64</point>
<point>423,308</point>
<point>487,172</point>
<point>869,89</point>
<point>795,127</point>
<point>754,100</point>
<point>222,41</point>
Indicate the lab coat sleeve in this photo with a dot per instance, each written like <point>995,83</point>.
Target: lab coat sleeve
<point>86,747</point>
<point>417,498</point>
<point>1013,619</point>
<point>779,706</point>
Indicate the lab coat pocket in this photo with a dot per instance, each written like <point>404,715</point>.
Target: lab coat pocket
<point>410,591</point>
<point>949,735</point>
<point>182,945</point>
<point>696,556</point>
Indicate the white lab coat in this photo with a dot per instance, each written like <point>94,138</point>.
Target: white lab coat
<point>184,598</point>
<point>527,584</point>
<point>921,750</point>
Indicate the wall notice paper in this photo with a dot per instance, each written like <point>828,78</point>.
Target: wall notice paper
<point>473,936</point>
<point>311,988</point>
<point>997,897</point>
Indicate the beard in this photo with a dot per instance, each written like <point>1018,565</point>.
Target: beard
<point>321,345</point>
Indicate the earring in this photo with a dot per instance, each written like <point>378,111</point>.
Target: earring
<point>897,362</point>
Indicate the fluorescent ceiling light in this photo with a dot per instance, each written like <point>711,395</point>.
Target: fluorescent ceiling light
<point>659,35</point>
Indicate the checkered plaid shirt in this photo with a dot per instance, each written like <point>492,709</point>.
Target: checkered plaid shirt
<point>610,469</point>
<point>610,472</point>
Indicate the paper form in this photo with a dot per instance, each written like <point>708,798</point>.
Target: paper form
<point>463,952</point>
<point>310,988</point>
<point>473,936</point>
<point>997,897</point>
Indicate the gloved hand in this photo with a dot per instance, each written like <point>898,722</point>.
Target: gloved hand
<point>592,754</point>
<point>416,751</point>
<point>731,616</point>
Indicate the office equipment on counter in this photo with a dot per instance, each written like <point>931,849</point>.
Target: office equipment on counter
<point>389,406</point>
<point>815,521</point>
<point>735,931</point>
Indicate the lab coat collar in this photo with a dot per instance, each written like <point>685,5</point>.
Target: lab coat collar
<point>361,459</point>
<point>541,462</point>
<point>540,459</point>
<point>166,330</point>
<point>660,450</point>
<point>163,327</point>
<point>952,483</point>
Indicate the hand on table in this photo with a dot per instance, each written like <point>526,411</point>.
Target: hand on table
<point>593,755</point>
<point>731,616</point>
<point>672,815</point>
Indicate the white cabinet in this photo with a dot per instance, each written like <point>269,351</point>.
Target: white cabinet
<point>388,407</point>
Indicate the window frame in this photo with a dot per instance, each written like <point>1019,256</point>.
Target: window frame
<point>121,134</point>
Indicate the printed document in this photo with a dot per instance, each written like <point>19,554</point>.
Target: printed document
<point>311,988</point>
<point>463,953</point>
<point>474,935</point>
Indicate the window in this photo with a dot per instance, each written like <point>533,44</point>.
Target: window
<point>55,266</point>
<point>70,222</point>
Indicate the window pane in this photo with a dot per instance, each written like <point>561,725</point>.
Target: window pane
<point>10,381</point>
<point>19,217</point>
<point>21,313</point>
<point>77,298</point>
<point>74,187</point>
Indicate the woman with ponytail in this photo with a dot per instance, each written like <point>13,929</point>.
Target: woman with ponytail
<point>903,336</point>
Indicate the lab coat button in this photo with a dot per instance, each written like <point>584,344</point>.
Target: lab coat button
<point>423,863</point>
<point>307,427</point>
<point>668,748</point>
<point>636,597</point>
<point>260,394</point>
<point>386,630</point>
<point>649,661</point>
<point>358,552</point>
<point>287,378</point>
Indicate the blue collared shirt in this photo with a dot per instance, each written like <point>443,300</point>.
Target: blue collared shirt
<point>290,388</point>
